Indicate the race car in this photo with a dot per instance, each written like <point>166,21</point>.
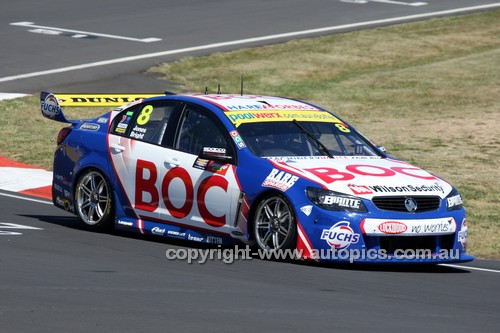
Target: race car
<point>272,172</point>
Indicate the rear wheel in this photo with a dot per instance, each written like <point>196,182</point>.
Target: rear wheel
<point>94,200</point>
<point>274,224</point>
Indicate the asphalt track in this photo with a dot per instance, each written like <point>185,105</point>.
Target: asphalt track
<point>179,24</point>
<point>67,279</point>
<point>63,278</point>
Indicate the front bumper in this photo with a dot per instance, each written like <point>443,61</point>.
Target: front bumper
<point>383,237</point>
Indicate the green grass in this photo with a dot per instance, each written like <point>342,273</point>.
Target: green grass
<point>427,91</point>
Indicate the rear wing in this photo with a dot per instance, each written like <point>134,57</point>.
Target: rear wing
<point>50,103</point>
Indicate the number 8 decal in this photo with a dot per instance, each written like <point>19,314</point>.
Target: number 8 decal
<point>144,115</point>
<point>342,127</point>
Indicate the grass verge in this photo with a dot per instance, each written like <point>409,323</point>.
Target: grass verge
<point>427,91</point>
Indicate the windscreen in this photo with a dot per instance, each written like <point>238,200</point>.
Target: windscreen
<point>293,138</point>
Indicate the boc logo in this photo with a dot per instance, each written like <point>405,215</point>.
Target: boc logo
<point>340,235</point>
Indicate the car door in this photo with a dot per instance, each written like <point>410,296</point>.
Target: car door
<point>200,192</point>
<point>136,145</point>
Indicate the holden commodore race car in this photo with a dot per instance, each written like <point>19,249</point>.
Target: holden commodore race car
<point>272,172</point>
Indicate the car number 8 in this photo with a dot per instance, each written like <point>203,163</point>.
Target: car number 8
<point>144,115</point>
<point>342,128</point>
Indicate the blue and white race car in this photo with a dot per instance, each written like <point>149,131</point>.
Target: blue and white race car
<point>273,172</point>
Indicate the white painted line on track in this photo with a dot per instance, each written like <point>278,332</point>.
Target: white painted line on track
<point>246,41</point>
<point>79,33</point>
<point>390,2</point>
<point>5,225</point>
<point>25,198</point>
<point>472,268</point>
<point>10,96</point>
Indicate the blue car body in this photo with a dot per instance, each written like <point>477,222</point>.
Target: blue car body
<point>163,190</point>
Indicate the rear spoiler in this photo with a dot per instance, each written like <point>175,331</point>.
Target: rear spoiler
<point>50,103</point>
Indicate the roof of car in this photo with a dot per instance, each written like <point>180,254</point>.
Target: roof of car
<point>255,103</point>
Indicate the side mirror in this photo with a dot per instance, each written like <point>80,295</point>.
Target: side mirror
<point>382,149</point>
<point>215,154</point>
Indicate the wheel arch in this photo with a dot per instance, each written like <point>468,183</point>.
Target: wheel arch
<point>255,203</point>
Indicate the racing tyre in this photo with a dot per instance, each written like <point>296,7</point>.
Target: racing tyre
<point>94,201</point>
<point>274,225</point>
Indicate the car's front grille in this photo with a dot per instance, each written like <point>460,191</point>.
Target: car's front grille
<point>397,203</point>
<point>392,243</point>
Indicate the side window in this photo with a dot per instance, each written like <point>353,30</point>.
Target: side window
<point>146,122</point>
<point>198,131</point>
<point>122,121</point>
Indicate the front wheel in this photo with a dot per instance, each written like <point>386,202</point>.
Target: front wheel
<point>94,200</point>
<point>274,224</point>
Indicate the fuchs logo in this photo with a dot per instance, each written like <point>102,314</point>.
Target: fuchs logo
<point>340,235</point>
<point>392,227</point>
<point>462,234</point>
<point>359,189</point>
<point>50,107</point>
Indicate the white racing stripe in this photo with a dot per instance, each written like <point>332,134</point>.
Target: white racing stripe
<point>25,198</point>
<point>248,41</point>
<point>472,268</point>
<point>80,34</point>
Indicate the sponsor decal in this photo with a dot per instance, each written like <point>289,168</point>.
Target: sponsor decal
<point>176,234</point>
<point>216,167</point>
<point>454,200</point>
<point>58,188</point>
<point>50,107</point>
<point>148,195</point>
<point>62,179</point>
<point>407,188</point>
<point>67,194</point>
<point>340,235</point>
<point>359,189</point>
<point>138,132</point>
<point>414,227</point>
<point>392,227</point>
<point>102,120</point>
<point>124,122</point>
<point>214,150</point>
<point>237,139</point>
<point>195,238</point>
<point>101,99</point>
<point>243,117</point>
<point>90,127</point>
<point>214,240</point>
<point>292,159</point>
<point>158,231</point>
<point>280,180</point>
<point>267,106</point>
<point>306,209</point>
<point>341,201</point>
<point>120,130</point>
<point>125,223</point>
<point>330,175</point>
<point>200,163</point>
<point>64,203</point>
<point>130,113</point>
<point>462,234</point>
